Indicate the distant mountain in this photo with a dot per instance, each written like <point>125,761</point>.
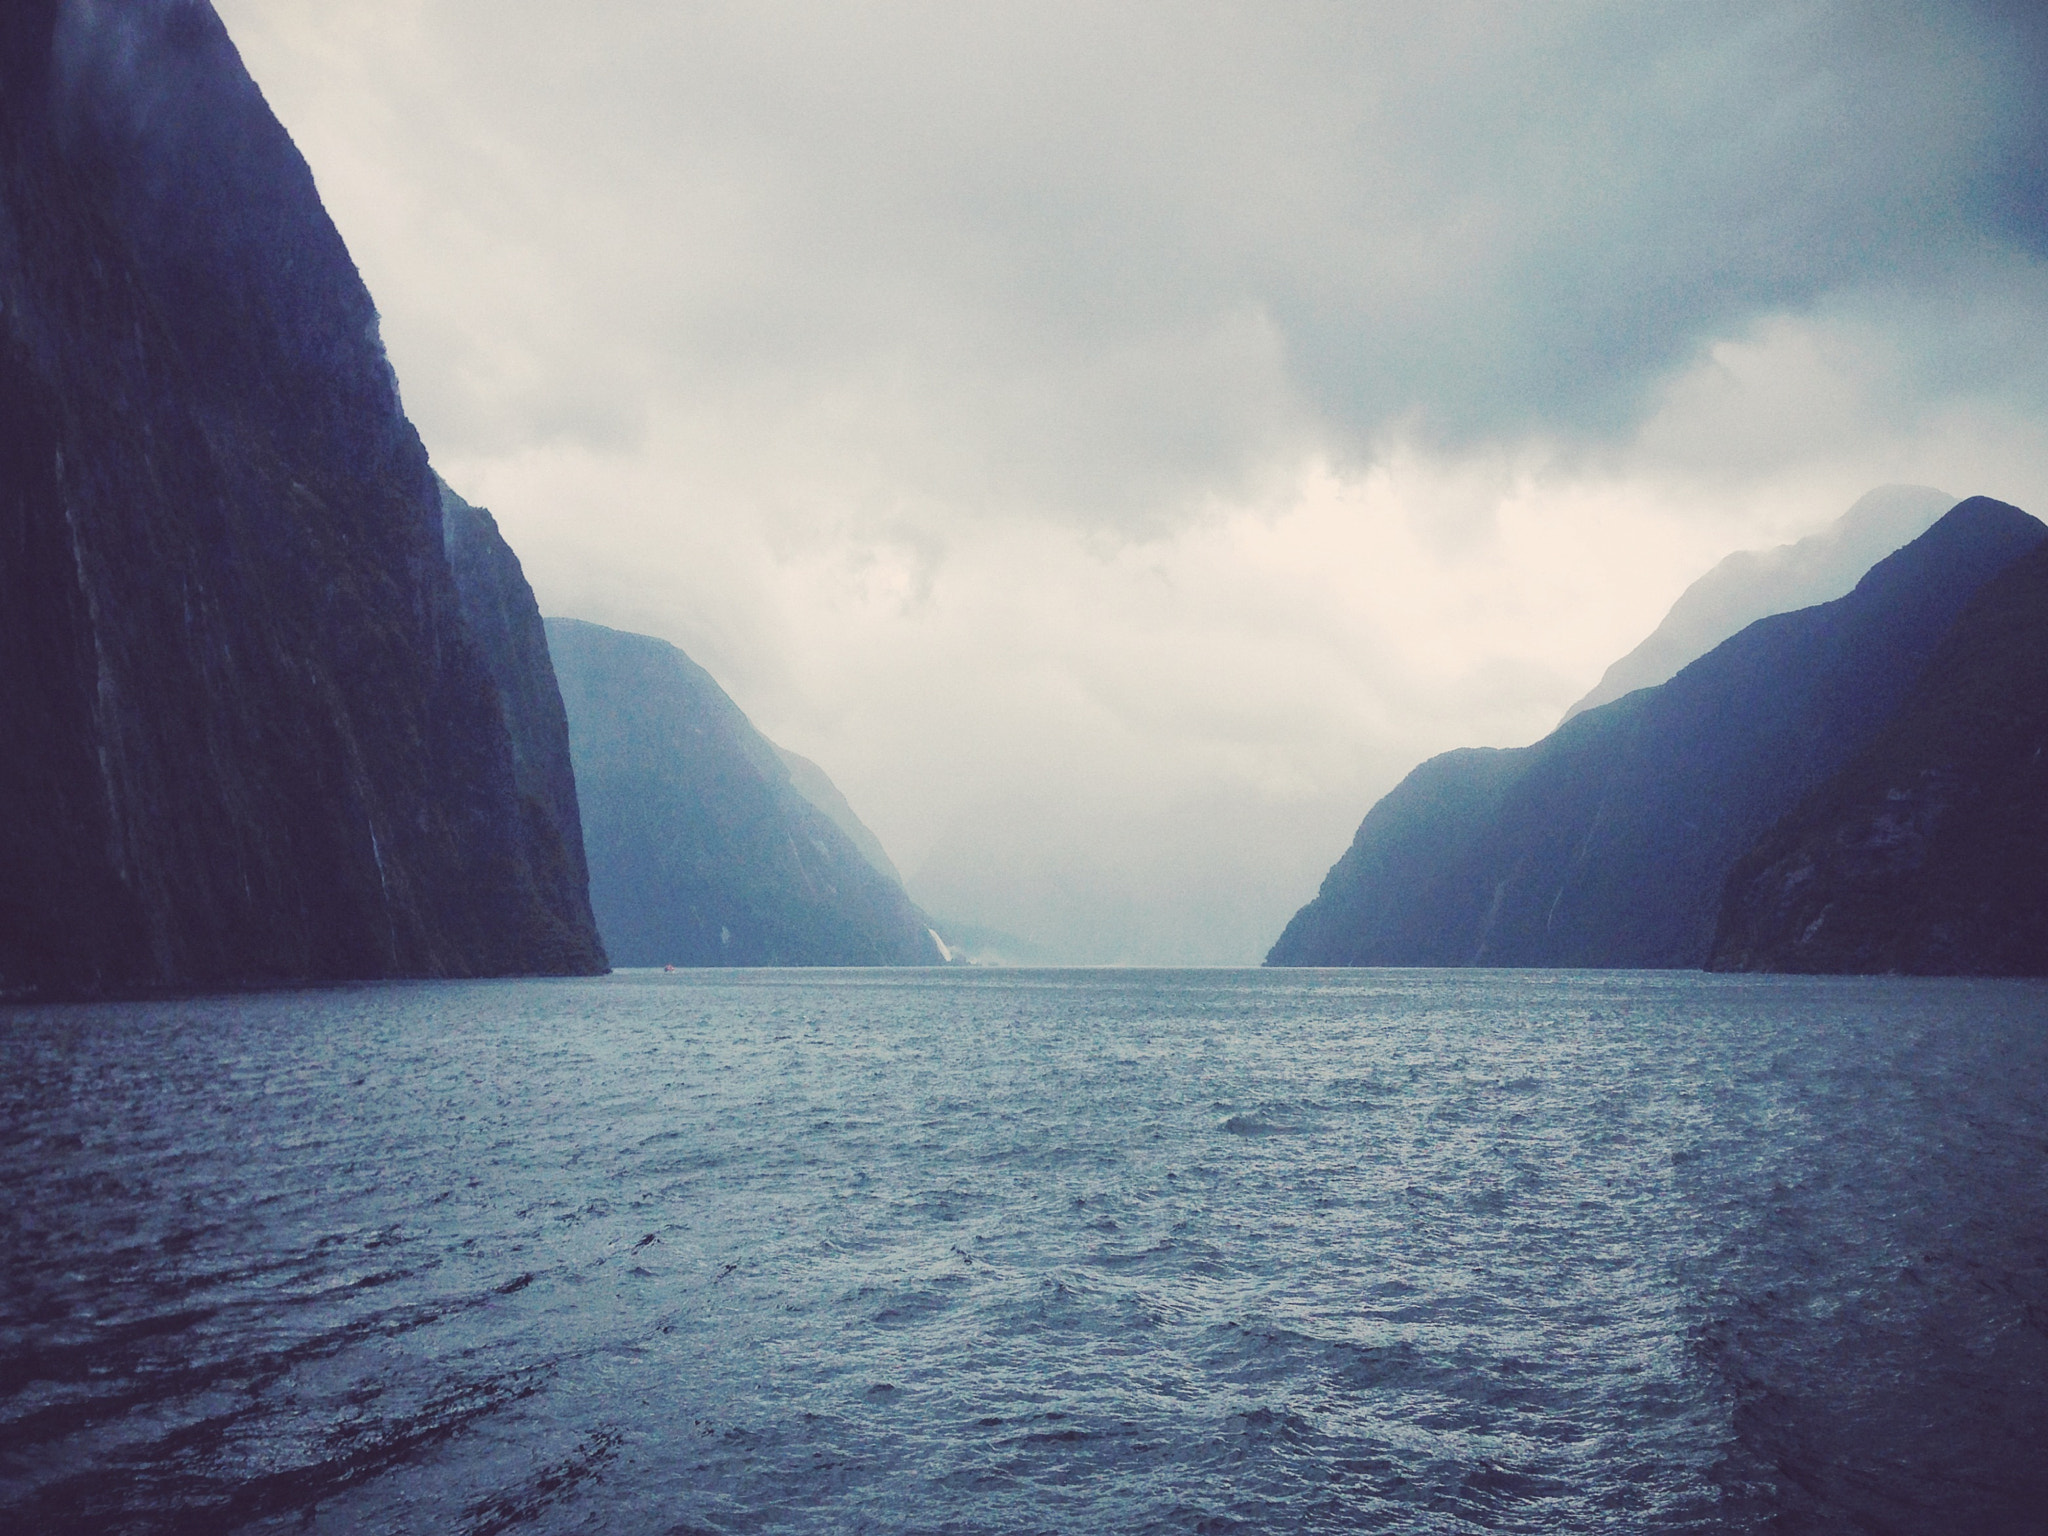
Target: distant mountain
<point>1755,583</point>
<point>246,733</point>
<point>1928,853</point>
<point>703,851</point>
<point>1608,843</point>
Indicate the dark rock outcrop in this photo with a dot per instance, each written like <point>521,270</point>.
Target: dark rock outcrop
<point>1928,853</point>
<point>248,737</point>
<point>702,850</point>
<point>1608,843</point>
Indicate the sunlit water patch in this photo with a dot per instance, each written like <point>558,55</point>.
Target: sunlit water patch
<point>1031,1251</point>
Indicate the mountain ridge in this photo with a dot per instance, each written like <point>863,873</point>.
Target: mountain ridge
<point>1754,583</point>
<point>1607,843</point>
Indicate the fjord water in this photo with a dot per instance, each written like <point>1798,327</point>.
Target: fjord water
<point>1031,1251</point>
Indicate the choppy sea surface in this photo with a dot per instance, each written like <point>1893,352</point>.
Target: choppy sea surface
<point>1026,1251</point>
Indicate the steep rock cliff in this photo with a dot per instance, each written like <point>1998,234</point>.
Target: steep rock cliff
<point>1928,853</point>
<point>1608,842</point>
<point>504,622</point>
<point>702,850</point>
<point>247,735</point>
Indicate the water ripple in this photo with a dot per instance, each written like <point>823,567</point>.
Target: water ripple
<point>1030,1251</point>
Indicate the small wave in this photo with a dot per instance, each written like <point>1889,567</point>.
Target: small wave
<point>1259,1125</point>
<point>1159,1253</point>
<point>908,1308</point>
<point>1055,1437</point>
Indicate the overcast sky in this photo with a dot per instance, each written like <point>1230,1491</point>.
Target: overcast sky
<point>1118,441</point>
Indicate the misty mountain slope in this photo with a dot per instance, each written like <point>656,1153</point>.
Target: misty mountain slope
<point>702,851</point>
<point>816,786</point>
<point>1927,854</point>
<point>1754,583</point>
<point>1099,876</point>
<point>1610,842</point>
<point>248,735</point>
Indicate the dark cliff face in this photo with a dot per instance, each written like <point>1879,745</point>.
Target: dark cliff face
<point>702,852</point>
<point>1611,839</point>
<point>248,737</point>
<point>505,624</point>
<point>1928,853</point>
